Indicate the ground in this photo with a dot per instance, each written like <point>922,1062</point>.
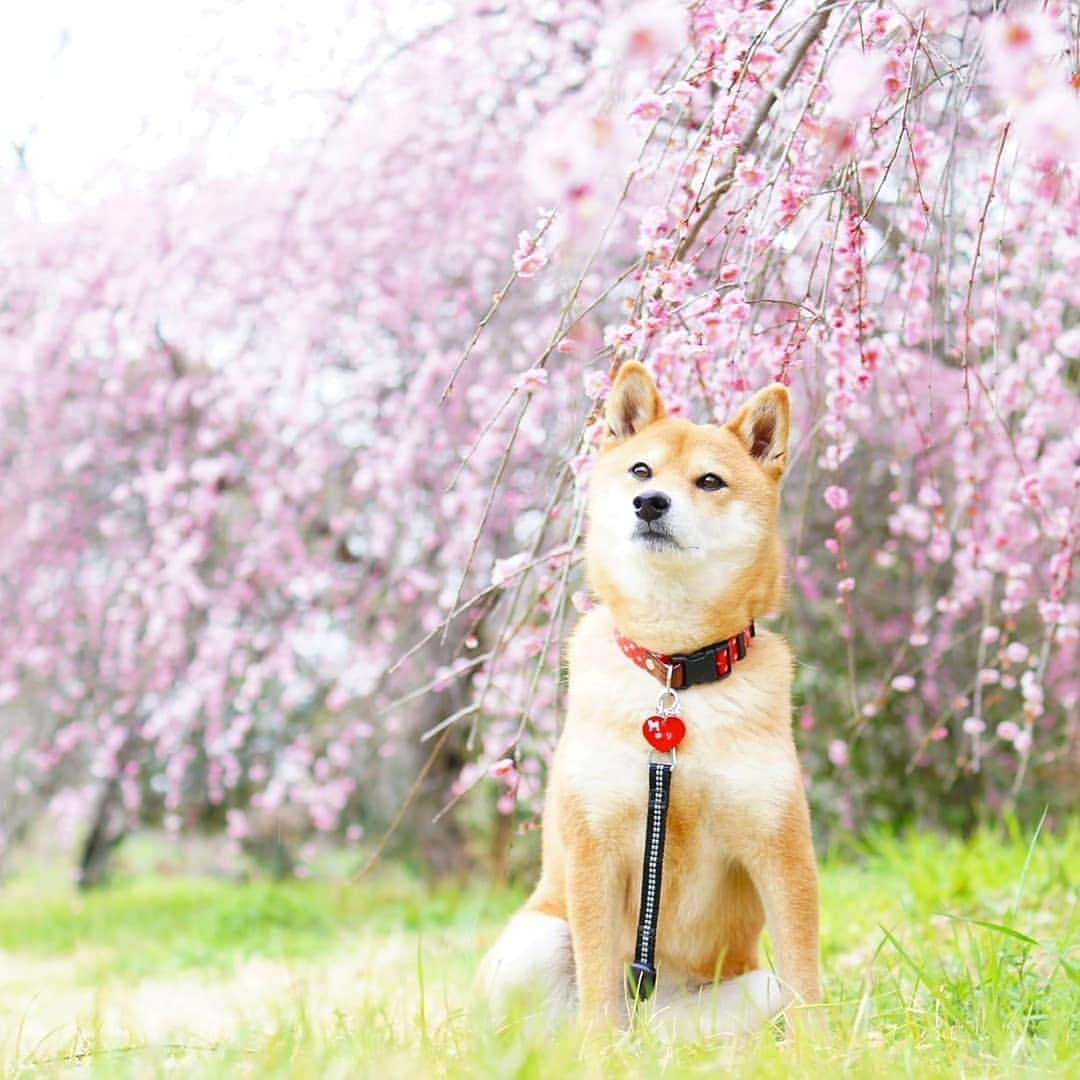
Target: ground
<point>941,957</point>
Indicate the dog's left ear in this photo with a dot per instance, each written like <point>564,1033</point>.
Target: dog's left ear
<point>762,426</point>
<point>633,403</point>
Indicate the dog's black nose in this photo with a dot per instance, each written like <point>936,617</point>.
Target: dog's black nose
<point>651,505</point>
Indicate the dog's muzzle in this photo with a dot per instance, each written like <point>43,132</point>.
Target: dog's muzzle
<point>651,505</point>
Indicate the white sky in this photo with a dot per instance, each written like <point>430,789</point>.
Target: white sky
<point>89,85</point>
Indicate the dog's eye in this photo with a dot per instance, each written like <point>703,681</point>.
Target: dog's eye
<point>641,471</point>
<point>710,482</point>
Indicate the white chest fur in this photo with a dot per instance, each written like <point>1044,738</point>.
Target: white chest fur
<point>737,760</point>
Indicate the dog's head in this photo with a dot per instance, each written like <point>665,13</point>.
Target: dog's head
<point>682,516</point>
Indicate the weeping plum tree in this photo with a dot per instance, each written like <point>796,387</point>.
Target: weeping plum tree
<point>293,457</point>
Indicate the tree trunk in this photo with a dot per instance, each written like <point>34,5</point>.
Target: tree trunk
<point>500,848</point>
<point>108,829</point>
<point>441,842</point>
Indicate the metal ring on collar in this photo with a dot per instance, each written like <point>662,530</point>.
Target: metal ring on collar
<point>667,702</point>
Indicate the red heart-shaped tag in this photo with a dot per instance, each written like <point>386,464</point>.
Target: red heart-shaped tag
<point>663,733</point>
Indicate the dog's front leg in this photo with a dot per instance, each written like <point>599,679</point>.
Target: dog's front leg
<point>595,891</point>
<point>787,882</point>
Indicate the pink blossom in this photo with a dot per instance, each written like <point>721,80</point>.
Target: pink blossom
<point>576,158</point>
<point>532,380</point>
<point>855,83</point>
<point>237,824</point>
<point>1007,730</point>
<point>582,601</point>
<point>1068,343</point>
<point>505,569</point>
<point>597,383</point>
<point>1051,611</point>
<point>649,107</point>
<point>838,753</point>
<point>751,174</point>
<point>1032,691</point>
<point>1030,488</point>
<point>1016,652</point>
<point>837,497</point>
<point>530,256</point>
<point>983,332</point>
<point>903,683</point>
<point>503,769</point>
<point>1019,47</point>
<point>648,32</point>
<point>256,441</point>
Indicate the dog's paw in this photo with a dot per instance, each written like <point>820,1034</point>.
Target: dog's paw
<point>738,1006</point>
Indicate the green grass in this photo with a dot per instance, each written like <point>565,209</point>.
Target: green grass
<point>941,958</point>
<point>155,925</point>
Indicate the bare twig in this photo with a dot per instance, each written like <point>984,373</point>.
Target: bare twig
<point>482,325</point>
<point>974,267</point>
<point>812,33</point>
<point>410,796</point>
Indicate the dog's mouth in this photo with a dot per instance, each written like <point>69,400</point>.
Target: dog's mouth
<point>655,536</point>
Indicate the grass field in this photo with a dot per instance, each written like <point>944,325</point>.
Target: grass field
<point>941,958</point>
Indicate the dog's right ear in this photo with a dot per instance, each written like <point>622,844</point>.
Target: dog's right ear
<point>633,403</point>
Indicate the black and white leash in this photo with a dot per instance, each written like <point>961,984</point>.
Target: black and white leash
<point>641,976</point>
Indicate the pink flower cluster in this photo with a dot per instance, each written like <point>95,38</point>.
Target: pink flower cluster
<point>293,476</point>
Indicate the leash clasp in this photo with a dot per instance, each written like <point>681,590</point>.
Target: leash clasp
<point>667,705</point>
<point>667,701</point>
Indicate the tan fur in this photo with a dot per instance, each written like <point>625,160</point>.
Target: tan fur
<point>738,850</point>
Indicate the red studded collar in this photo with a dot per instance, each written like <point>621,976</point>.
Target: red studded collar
<point>710,664</point>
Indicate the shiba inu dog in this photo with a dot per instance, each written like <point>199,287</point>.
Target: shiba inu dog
<point>683,554</point>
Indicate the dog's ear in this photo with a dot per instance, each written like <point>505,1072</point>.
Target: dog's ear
<point>762,426</point>
<point>633,403</point>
